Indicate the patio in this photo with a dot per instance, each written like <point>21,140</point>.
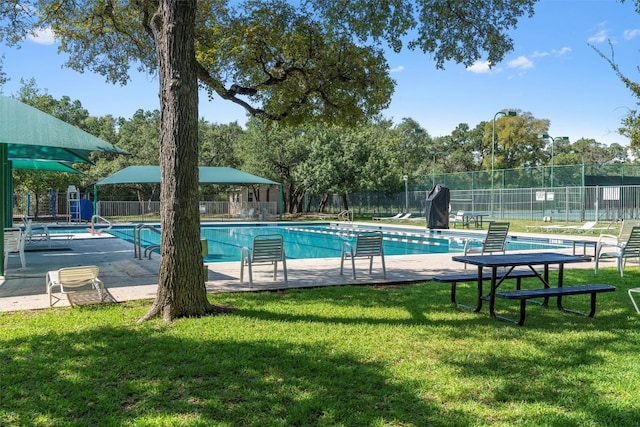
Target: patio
<point>128,278</point>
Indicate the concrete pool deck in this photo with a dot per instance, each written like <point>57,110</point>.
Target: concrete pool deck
<point>129,278</point>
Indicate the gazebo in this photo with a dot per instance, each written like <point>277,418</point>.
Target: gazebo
<point>207,175</point>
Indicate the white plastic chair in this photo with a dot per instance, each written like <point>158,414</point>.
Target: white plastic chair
<point>368,244</point>
<point>627,249</point>
<point>495,240</point>
<point>266,248</point>
<point>13,243</point>
<point>69,279</point>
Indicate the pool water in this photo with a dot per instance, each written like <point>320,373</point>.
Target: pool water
<point>325,241</point>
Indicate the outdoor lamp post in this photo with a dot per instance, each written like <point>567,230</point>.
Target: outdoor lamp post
<point>433,171</point>
<point>433,166</point>
<point>416,133</point>
<point>553,143</point>
<point>507,113</point>
<point>406,193</point>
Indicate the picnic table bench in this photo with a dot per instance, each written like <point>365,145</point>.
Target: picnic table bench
<point>525,294</point>
<point>455,278</point>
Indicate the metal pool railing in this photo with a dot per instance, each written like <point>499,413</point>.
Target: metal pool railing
<point>138,242</point>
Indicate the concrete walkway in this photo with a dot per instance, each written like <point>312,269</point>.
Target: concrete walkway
<point>129,278</point>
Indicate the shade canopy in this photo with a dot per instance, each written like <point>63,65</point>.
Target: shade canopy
<point>208,175</point>
<point>33,134</point>
<point>43,165</point>
<point>28,134</point>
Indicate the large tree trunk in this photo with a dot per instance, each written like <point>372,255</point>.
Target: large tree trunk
<point>181,290</point>
<point>345,202</point>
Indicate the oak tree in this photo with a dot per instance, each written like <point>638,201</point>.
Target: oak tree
<point>291,61</point>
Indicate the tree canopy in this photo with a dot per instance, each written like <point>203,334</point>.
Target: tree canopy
<point>292,61</point>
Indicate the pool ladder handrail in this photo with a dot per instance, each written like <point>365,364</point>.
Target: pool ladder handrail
<point>94,222</point>
<point>137,241</point>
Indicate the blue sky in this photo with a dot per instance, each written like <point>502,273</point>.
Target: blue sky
<point>552,73</point>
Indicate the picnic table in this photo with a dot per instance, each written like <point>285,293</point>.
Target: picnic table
<point>530,260</point>
<point>468,218</point>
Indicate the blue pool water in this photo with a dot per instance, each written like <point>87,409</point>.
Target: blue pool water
<point>325,241</point>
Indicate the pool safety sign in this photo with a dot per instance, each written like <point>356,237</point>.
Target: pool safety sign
<point>541,196</point>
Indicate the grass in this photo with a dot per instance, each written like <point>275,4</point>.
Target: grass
<point>338,356</point>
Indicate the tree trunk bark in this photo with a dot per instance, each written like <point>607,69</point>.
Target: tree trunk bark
<point>345,202</point>
<point>323,202</point>
<point>181,289</point>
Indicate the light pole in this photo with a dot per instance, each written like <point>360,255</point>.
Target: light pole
<point>433,166</point>
<point>507,113</point>
<point>416,133</point>
<point>406,193</point>
<point>553,143</point>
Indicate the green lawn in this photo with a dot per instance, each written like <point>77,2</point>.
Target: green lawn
<point>347,356</point>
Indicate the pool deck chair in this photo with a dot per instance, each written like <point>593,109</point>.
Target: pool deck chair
<point>628,249</point>
<point>459,218</point>
<point>382,218</point>
<point>266,248</point>
<point>69,279</point>
<point>495,240</point>
<point>13,242</point>
<point>368,245</point>
<point>36,232</point>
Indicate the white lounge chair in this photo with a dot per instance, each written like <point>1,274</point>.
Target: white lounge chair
<point>36,232</point>
<point>459,218</point>
<point>266,248</point>
<point>589,225</point>
<point>368,244</point>
<point>403,216</point>
<point>13,243</point>
<point>396,216</point>
<point>69,279</point>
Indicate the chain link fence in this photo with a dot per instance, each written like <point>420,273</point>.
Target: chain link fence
<point>562,193</point>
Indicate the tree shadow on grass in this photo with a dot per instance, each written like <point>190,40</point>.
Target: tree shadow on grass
<point>555,368</point>
<point>112,376</point>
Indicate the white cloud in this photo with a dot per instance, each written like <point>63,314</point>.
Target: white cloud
<point>538,54</point>
<point>43,36</point>
<point>480,67</point>
<point>521,62</point>
<point>631,34</point>
<point>562,51</point>
<point>397,69</point>
<point>600,37</point>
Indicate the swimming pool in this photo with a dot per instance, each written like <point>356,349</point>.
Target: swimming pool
<point>315,240</point>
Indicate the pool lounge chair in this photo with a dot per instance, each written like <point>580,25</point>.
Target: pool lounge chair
<point>35,232</point>
<point>459,218</point>
<point>70,279</point>
<point>403,216</point>
<point>545,227</point>
<point>589,225</point>
<point>396,216</point>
